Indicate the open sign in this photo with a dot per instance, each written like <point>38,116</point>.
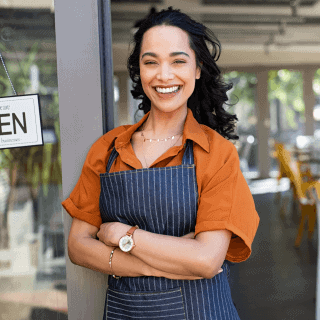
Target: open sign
<point>20,122</point>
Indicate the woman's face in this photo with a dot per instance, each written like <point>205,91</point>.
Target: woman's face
<point>167,63</point>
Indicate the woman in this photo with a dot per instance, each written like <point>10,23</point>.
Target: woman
<point>166,197</point>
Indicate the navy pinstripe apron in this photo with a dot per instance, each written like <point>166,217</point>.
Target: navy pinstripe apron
<point>162,201</point>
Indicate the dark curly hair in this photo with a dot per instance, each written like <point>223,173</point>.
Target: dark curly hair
<point>209,95</point>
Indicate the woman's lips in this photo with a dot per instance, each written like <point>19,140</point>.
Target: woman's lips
<point>167,95</point>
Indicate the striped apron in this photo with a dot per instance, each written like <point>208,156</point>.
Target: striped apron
<point>163,201</point>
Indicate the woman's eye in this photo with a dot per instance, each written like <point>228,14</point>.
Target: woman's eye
<point>152,62</point>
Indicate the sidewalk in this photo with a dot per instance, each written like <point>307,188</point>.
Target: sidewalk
<point>23,299</point>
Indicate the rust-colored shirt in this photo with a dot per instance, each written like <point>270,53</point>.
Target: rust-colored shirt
<point>224,202</point>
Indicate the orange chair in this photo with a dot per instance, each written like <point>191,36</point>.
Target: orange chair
<point>303,192</point>
<point>278,146</point>
<point>278,154</point>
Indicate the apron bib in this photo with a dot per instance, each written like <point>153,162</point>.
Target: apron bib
<point>163,201</point>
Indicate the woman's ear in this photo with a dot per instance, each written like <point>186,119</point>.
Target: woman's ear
<point>199,71</point>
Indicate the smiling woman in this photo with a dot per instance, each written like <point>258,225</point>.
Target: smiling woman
<point>168,190</point>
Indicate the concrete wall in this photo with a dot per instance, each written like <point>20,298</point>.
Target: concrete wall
<point>79,81</point>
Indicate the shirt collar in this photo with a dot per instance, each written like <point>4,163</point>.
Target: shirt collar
<point>124,138</point>
<point>192,130</point>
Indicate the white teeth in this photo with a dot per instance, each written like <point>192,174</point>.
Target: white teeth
<point>167,90</point>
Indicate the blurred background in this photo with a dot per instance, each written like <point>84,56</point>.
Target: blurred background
<point>270,52</point>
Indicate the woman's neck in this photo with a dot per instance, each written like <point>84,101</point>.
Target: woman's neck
<point>162,124</point>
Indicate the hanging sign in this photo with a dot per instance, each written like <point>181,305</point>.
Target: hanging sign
<point>20,121</point>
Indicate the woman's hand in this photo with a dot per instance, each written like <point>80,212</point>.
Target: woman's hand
<point>111,232</point>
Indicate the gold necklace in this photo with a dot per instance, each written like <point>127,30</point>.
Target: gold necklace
<point>144,139</point>
<point>157,140</point>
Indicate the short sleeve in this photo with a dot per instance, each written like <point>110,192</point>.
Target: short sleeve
<point>83,202</point>
<point>226,203</point>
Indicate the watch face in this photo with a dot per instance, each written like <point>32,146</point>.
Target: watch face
<point>126,243</point>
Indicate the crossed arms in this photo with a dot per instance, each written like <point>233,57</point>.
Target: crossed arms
<point>185,258</point>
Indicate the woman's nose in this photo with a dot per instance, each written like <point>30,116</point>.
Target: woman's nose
<point>165,73</point>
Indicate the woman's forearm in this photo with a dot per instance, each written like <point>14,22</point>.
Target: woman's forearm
<point>93,254</point>
<point>120,257</point>
<point>177,255</point>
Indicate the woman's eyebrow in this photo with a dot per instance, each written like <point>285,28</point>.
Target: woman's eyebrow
<point>172,54</point>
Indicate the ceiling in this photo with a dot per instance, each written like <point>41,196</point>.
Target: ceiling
<point>26,24</point>
<point>260,2</point>
<point>232,2</point>
<point>252,32</point>
<point>253,28</point>
<point>287,26</point>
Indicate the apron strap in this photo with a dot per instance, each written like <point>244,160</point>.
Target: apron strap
<point>113,155</point>
<point>186,160</point>
<point>188,154</point>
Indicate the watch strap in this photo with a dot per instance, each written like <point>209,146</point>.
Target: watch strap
<point>132,230</point>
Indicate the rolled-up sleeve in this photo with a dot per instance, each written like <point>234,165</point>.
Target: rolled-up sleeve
<point>226,202</point>
<point>83,202</point>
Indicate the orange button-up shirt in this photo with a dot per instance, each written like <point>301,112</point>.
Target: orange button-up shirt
<point>224,198</point>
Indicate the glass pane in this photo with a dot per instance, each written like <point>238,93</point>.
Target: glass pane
<point>135,115</point>
<point>116,97</point>
<point>316,110</point>
<point>242,100</point>
<point>32,256</point>
<point>287,109</point>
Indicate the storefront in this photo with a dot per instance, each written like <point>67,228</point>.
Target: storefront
<point>81,48</point>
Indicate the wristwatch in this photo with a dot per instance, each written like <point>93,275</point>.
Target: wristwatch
<point>126,242</point>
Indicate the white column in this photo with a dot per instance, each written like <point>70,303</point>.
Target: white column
<point>34,78</point>
<point>263,123</point>
<point>80,108</point>
<point>123,109</point>
<point>309,99</point>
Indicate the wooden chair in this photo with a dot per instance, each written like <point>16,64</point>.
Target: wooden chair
<point>278,155</point>
<point>278,146</point>
<point>303,192</point>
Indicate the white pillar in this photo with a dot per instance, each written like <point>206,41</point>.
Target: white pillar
<point>81,124</point>
<point>123,103</point>
<point>263,123</point>
<point>309,99</point>
<point>34,78</point>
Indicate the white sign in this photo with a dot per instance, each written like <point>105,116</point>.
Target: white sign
<point>20,122</point>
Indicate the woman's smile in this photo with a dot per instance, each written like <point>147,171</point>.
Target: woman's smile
<point>167,93</point>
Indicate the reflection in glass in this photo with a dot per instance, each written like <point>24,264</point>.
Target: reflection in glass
<point>287,109</point>
<point>32,257</point>
<point>242,103</point>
